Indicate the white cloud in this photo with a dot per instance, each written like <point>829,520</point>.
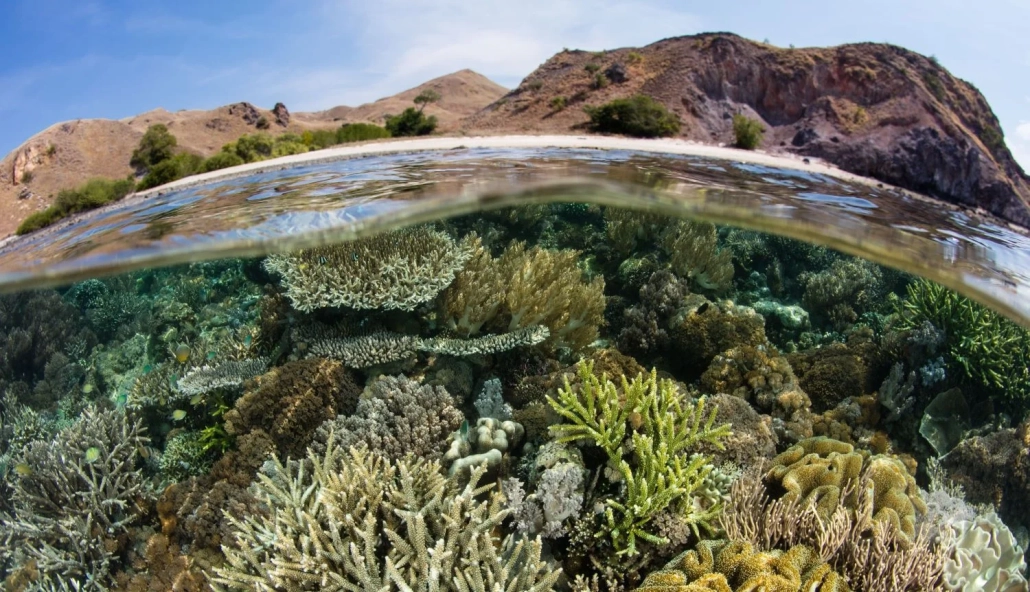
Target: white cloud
<point>1019,144</point>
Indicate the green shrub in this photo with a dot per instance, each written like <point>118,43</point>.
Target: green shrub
<point>262,123</point>
<point>992,138</point>
<point>26,177</point>
<point>934,84</point>
<point>411,122</point>
<point>181,165</point>
<point>592,68</point>
<point>287,148</point>
<point>600,81</point>
<point>51,150</point>
<point>639,116</point>
<point>748,132</point>
<point>559,103</point>
<point>535,85</point>
<point>222,160</point>
<point>156,145</point>
<point>425,97</point>
<point>634,57</point>
<point>251,147</point>
<point>318,139</point>
<point>359,132</point>
<point>92,194</point>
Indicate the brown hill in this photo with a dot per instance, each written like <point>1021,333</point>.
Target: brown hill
<point>872,109</point>
<point>67,154</point>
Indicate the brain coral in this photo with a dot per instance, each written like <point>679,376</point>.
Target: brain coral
<point>826,472</point>
<point>397,270</point>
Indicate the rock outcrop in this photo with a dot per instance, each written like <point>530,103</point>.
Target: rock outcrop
<point>282,114</point>
<point>870,108</point>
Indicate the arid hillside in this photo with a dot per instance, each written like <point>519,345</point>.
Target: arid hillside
<point>872,109</point>
<point>69,153</point>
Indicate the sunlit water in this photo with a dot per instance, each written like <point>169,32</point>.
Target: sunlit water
<point>181,310</point>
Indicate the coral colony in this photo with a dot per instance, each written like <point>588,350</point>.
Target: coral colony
<point>561,397</point>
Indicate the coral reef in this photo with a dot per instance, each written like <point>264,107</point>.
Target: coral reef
<point>486,444</point>
<point>290,402</point>
<point>184,456</point>
<point>661,429</point>
<point>694,255</point>
<point>525,288</point>
<point>490,402</point>
<point>839,294</point>
<point>74,502</point>
<point>984,556</point>
<point>440,535</point>
<point>832,373</point>
<point>396,416</point>
<point>397,270</point>
<point>705,329</point>
<point>228,374</point>
<point>752,440</point>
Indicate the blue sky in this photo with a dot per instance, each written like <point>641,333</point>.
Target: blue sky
<point>68,59</point>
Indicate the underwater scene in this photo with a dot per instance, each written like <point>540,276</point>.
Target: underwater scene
<point>568,395</point>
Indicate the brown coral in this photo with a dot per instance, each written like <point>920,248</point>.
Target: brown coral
<point>290,402</point>
<point>752,441</point>
<point>701,332</point>
<point>833,373</point>
<point>525,288</point>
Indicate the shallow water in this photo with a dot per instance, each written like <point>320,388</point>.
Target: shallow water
<point>468,307</point>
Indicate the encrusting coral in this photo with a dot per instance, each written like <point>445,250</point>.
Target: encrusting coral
<point>647,430</point>
<point>74,502</point>
<point>397,270</point>
<point>356,521</point>
<point>397,416</point>
<point>525,288</point>
<point>290,402</point>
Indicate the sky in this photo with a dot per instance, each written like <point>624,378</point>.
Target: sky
<point>70,59</point>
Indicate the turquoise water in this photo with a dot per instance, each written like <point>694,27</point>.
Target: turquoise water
<point>429,348</point>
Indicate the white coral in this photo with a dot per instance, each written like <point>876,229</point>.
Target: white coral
<point>985,556</point>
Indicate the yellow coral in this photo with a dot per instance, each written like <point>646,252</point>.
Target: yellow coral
<point>818,471</point>
<point>523,288</point>
<point>694,255</point>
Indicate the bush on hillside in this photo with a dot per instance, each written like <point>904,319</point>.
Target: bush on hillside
<point>748,132</point>
<point>318,139</point>
<point>181,165</point>
<point>411,122</point>
<point>639,116</point>
<point>156,145</point>
<point>359,132</point>
<point>92,194</point>
<point>222,160</point>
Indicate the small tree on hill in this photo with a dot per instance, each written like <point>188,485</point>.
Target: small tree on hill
<point>425,97</point>
<point>748,132</point>
<point>156,145</point>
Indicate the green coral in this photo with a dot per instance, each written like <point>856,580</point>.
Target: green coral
<point>647,430</point>
<point>185,455</point>
<point>990,349</point>
<point>356,521</point>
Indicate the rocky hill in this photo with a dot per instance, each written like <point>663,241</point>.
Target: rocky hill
<point>872,109</point>
<point>69,153</point>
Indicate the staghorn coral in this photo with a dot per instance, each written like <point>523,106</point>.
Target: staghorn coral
<point>74,504</point>
<point>440,536</point>
<point>694,254</point>
<point>525,288</point>
<point>396,416</point>
<point>868,553</point>
<point>290,402</point>
<point>228,374</point>
<point>397,270</point>
<point>646,430</point>
<point>824,472</point>
<point>727,566</point>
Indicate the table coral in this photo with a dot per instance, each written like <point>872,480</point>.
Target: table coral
<point>396,270</point>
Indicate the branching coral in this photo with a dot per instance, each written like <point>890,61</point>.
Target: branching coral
<point>646,429</point>
<point>989,348</point>
<point>75,500</point>
<point>397,270</point>
<point>355,521</point>
<point>525,288</point>
<point>694,254</point>
<point>397,416</point>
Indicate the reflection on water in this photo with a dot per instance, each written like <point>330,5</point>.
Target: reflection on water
<point>572,393</point>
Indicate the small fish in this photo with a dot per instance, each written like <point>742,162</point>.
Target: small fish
<point>121,400</point>
<point>147,369</point>
<point>87,388</point>
<point>23,469</point>
<point>322,259</point>
<point>92,454</point>
<point>197,399</point>
<point>182,353</point>
<point>178,415</point>
<point>354,256</point>
<point>247,341</point>
<point>211,355</point>
<point>143,451</point>
<point>464,429</point>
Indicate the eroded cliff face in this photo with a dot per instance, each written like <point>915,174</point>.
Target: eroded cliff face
<point>871,109</point>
